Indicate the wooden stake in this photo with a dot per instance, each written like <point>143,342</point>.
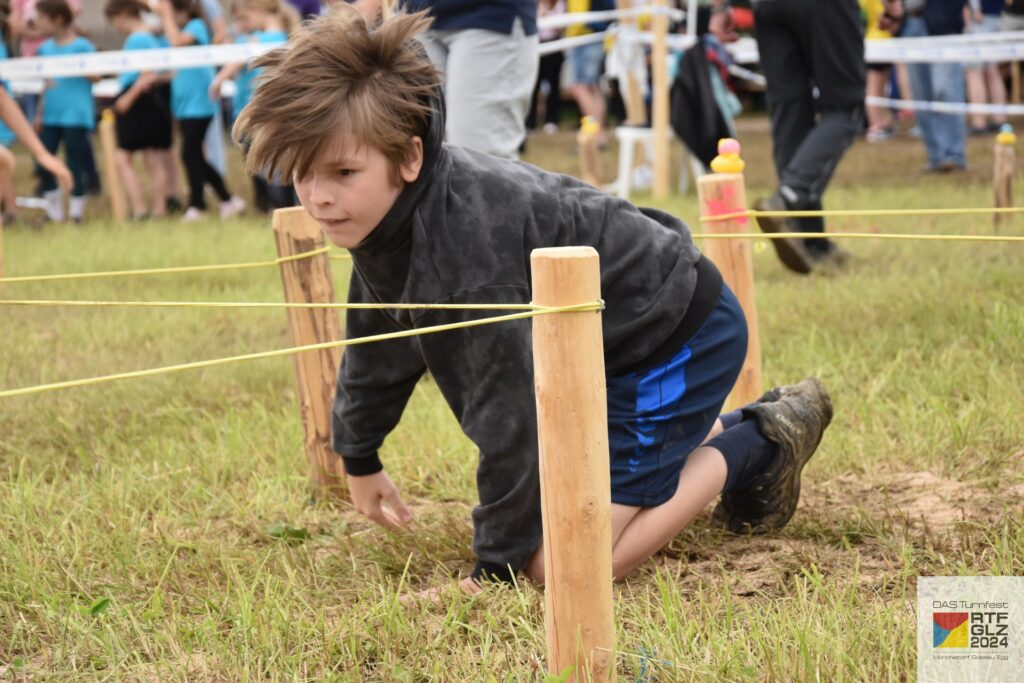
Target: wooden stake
<point>1004,168</point>
<point>590,162</point>
<point>721,193</point>
<point>575,481</point>
<point>111,181</point>
<point>308,280</point>
<point>659,95</point>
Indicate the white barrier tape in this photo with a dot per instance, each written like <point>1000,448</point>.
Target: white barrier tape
<point>960,38</point>
<point>107,89</point>
<point>930,50</point>
<point>120,61</point>
<point>909,50</point>
<point>563,20</point>
<point>748,75</point>
<point>892,51</point>
<point>948,107</point>
<point>568,43</point>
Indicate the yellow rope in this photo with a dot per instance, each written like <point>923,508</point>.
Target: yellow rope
<point>859,212</point>
<point>266,304</point>
<point>10,393</point>
<point>165,271</point>
<point>859,235</point>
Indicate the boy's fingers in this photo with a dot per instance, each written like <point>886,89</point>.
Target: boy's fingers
<point>398,506</point>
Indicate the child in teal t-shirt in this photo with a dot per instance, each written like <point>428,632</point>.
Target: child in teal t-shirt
<point>265,22</point>
<point>8,195</point>
<point>67,115</point>
<point>194,109</point>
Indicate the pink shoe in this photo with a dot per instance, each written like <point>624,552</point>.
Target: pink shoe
<point>232,208</point>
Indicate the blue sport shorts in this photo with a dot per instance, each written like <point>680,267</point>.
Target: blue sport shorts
<point>658,416</point>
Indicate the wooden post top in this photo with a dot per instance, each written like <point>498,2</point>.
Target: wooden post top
<point>296,222</point>
<point>563,252</point>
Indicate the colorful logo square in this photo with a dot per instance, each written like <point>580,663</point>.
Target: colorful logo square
<point>950,629</point>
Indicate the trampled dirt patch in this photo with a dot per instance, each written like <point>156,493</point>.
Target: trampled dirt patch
<point>850,529</point>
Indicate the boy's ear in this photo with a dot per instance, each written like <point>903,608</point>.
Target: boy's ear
<point>413,164</point>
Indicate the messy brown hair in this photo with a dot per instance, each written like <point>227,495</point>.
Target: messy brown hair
<point>372,84</point>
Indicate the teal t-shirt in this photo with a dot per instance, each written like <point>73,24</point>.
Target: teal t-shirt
<point>140,40</point>
<point>244,82</point>
<point>190,89</point>
<point>68,102</point>
<point>6,134</point>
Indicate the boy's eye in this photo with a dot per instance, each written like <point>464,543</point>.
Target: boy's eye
<point>345,172</point>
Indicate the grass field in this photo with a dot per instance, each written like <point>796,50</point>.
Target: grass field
<point>144,525</point>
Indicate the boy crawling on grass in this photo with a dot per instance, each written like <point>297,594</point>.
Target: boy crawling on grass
<point>354,114</point>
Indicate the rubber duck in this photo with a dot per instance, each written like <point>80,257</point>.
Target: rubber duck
<point>1006,135</point>
<point>728,159</point>
<point>589,126</point>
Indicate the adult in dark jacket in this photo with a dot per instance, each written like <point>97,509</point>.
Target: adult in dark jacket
<point>809,47</point>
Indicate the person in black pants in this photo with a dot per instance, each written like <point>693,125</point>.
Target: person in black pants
<point>812,55</point>
<point>197,168</point>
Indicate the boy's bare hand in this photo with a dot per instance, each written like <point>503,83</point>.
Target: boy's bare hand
<point>376,497</point>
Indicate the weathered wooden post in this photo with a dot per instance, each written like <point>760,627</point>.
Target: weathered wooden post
<point>1004,168</point>
<point>111,181</point>
<point>723,193</point>
<point>572,422</point>
<point>590,162</point>
<point>308,280</point>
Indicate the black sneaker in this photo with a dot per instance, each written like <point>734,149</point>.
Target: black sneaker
<point>832,257</point>
<point>796,423</point>
<point>792,252</point>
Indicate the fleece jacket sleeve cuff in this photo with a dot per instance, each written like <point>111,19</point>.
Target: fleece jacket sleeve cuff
<point>490,571</point>
<point>363,466</point>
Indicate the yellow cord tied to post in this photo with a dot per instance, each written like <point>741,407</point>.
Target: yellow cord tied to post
<point>728,159</point>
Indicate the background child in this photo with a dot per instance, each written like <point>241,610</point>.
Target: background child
<point>258,21</point>
<point>10,114</point>
<point>194,110</point>
<point>143,117</point>
<point>8,164</point>
<point>67,113</point>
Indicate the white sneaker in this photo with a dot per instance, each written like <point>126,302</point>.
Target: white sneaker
<point>550,128</point>
<point>192,215</point>
<point>232,207</point>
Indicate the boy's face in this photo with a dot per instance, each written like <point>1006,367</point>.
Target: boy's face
<point>349,189</point>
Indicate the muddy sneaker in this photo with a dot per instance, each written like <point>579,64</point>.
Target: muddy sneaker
<point>791,252</point>
<point>795,422</point>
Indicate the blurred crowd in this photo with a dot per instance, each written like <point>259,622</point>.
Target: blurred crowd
<point>173,126</point>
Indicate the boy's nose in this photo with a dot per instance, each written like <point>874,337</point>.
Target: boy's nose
<point>319,193</point>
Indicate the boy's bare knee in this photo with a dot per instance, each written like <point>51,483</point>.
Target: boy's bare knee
<point>534,569</point>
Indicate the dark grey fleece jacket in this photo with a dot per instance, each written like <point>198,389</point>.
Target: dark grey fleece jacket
<point>463,233</point>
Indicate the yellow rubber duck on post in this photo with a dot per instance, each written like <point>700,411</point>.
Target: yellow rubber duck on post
<point>728,159</point>
<point>1003,170</point>
<point>586,139</point>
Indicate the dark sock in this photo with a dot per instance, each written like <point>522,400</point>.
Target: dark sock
<point>731,419</point>
<point>747,454</point>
